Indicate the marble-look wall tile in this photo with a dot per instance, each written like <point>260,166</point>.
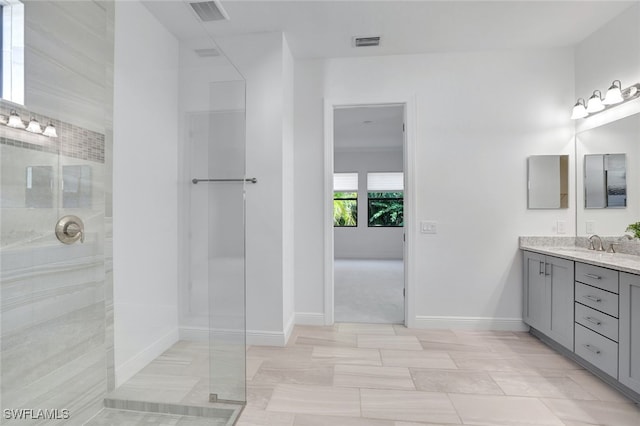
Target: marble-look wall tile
<point>56,301</point>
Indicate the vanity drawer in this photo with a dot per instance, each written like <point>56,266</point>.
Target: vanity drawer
<point>597,349</point>
<point>597,321</point>
<point>595,298</point>
<point>606,279</point>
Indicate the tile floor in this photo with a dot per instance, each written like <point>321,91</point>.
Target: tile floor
<point>387,375</point>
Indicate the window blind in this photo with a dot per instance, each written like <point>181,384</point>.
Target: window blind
<point>381,182</point>
<point>345,182</point>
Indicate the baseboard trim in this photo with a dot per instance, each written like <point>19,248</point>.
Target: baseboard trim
<point>309,318</point>
<point>136,363</point>
<point>254,337</point>
<point>471,323</point>
<point>288,327</point>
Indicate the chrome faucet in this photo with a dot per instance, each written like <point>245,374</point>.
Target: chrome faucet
<point>592,246</point>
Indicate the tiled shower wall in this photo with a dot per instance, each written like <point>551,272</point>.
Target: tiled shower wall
<point>56,301</point>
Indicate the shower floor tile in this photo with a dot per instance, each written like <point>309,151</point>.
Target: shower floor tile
<point>177,383</point>
<point>112,417</point>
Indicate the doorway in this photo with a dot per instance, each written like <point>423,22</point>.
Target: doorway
<point>368,213</point>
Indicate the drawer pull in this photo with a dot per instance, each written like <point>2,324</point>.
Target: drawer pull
<point>595,277</point>
<point>593,320</point>
<point>593,349</point>
<point>593,298</point>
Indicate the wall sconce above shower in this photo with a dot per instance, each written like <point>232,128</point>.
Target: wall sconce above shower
<point>615,96</point>
<point>15,121</point>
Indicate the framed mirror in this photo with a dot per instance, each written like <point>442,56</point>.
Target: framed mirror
<point>605,181</point>
<point>548,182</point>
<point>607,177</point>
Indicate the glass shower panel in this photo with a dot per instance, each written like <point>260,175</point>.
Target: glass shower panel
<point>226,242</point>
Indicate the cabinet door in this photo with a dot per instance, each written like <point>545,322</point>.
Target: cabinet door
<point>629,339</point>
<point>535,309</point>
<point>560,287</point>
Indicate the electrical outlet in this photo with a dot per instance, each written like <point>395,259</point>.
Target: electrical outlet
<point>561,227</point>
<point>429,227</point>
<point>590,227</point>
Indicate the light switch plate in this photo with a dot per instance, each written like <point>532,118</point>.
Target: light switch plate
<point>429,227</point>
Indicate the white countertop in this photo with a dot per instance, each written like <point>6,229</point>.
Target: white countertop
<point>619,261</point>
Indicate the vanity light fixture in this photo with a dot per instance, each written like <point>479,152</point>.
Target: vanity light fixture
<point>579,110</point>
<point>15,121</point>
<point>34,126</point>
<point>615,96</point>
<point>594,104</point>
<point>50,131</point>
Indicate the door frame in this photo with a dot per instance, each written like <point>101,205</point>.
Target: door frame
<point>409,104</point>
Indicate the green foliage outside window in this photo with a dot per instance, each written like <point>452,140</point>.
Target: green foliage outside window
<point>345,209</point>
<point>386,209</point>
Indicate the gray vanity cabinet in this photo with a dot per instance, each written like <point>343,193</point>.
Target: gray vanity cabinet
<point>549,296</point>
<point>629,339</point>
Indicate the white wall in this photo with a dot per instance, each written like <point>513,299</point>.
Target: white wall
<point>611,53</point>
<point>266,64</point>
<point>212,103</point>
<point>145,189</point>
<point>364,242</point>
<point>288,198</point>
<point>479,116</point>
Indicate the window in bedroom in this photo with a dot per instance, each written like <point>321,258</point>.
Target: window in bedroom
<point>345,200</point>
<point>385,194</point>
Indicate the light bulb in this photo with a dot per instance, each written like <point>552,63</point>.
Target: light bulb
<point>50,131</point>
<point>15,121</point>
<point>614,94</point>
<point>595,102</point>
<point>34,126</point>
<point>579,111</point>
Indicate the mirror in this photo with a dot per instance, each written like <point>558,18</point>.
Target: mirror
<point>548,182</point>
<point>76,186</point>
<point>607,173</point>
<point>605,181</point>
<point>39,187</point>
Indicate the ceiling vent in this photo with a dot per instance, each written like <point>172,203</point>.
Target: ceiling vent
<point>207,53</point>
<point>366,41</point>
<point>209,11</point>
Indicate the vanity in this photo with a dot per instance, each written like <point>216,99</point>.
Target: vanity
<point>586,305</point>
<point>580,298</point>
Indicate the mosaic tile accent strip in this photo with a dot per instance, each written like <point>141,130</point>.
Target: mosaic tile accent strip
<point>72,141</point>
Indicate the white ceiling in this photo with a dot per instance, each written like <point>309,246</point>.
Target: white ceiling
<point>321,29</point>
<point>325,28</point>
<point>384,131</point>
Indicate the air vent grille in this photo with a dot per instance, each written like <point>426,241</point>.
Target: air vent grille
<point>209,11</point>
<point>207,53</point>
<point>366,41</point>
